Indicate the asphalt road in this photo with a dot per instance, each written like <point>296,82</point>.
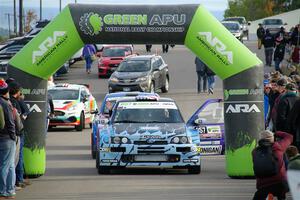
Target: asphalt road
<point>71,172</point>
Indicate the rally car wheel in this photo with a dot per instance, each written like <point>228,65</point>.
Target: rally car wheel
<point>152,87</point>
<point>103,170</point>
<point>194,169</point>
<point>93,152</point>
<point>81,124</point>
<point>165,88</point>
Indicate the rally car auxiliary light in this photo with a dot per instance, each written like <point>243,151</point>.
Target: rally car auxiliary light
<point>117,149</point>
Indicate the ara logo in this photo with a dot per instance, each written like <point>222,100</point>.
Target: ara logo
<point>47,44</point>
<point>242,108</point>
<point>34,108</point>
<point>219,46</point>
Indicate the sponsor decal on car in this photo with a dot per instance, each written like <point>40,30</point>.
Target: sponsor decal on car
<point>210,149</point>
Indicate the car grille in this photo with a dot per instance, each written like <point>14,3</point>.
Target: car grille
<point>113,65</point>
<point>59,113</point>
<point>127,80</point>
<point>146,143</point>
<point>151,150</point>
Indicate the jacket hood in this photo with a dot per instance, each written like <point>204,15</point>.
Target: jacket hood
<point>289,94</point>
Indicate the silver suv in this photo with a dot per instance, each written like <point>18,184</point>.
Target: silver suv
<point>273,25</point>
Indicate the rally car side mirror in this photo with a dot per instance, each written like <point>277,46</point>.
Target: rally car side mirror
<point>200,121</point>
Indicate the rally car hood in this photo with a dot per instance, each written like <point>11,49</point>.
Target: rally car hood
<point>63,104</point>
<point>130,75</point>
<point>144,131</point>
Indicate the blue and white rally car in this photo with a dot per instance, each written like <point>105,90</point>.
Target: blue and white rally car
<point>104,113</point>
<point>147,132</point>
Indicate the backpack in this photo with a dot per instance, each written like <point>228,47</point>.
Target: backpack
<point>265,163</point>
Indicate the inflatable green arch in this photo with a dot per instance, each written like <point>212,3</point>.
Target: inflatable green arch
<point>191,25</point>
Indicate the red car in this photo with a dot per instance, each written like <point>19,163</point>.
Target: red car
<point>111,57</point>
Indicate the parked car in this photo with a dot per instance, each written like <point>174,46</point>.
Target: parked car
<point>146,73</point>
<point>235,28</point>
<point>110,58</point>
<point>243,22</point>
<point>39,25</point>
<point>208,120</point>
<point>147,132</point>
<point>105,111</point>
<point>273,25</point>
<point>73,106</point>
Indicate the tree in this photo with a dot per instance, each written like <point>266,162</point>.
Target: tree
<point>31,16</point>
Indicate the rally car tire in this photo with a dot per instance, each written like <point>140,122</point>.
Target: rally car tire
<point>103,170</point>
<point>93,152</point>
<point>152,87</point>
<point>165,88</point>
<point>80,127</point>
<point>194,169</point>
<point>97,159</point>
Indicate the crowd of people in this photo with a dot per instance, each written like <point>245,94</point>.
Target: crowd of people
<point>13,113</point>
<point>281,139</point>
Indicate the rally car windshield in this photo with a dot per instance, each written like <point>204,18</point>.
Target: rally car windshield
<point>64,94</point>
<point>134,66</point>
<point>114,52</point>
<point>147,112</point>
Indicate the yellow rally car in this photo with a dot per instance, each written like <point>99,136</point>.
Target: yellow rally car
<point>73,106</point>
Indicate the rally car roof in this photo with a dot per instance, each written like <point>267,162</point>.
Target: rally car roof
<point>130,99</point>
<point>62,86</point>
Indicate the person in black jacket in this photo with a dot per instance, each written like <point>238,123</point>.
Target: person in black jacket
<point>260,33</point>
<point>269,43</point>
<point>7,146</point>
<point>201,74</point>
<point>285,106</point>
<point>294,123</point>
<point>210,79</point>
<point>279,53</point>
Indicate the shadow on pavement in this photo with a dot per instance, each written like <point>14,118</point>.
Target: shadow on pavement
<point>79,147</point>
<point>59,157</point>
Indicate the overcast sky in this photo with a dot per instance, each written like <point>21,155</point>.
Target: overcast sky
<point>213,5</point>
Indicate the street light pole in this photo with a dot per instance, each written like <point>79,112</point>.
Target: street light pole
<point>41,14</point>
<point>59,5</point>
<point>20,17</point>
<point>15,18</point>
<point>8,17</point>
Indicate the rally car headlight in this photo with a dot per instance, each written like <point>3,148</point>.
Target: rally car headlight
<point>124,140</point>
<point>114,80</point>
<point>142,79</point>
<point>175,140</point>
<point>72,108</point>
<point>181,140</point>
<point>116,140</point>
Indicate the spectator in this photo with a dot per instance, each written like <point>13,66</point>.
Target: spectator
<point>279,53</point>
<point>294,123</point>
<point>202,77</point>
<point>210,79</point>
<point>286,103</point>
<point>148,47</point>
<point>260,33</point>
<point>293,171</point>
<point>276,184</point>
<point>267,90</point>
<point>278,90</point>
<point>15,94</point>
<point>7,146</point>
<point>88,53</point>
<point>281,34</point>
<point>165,48</point>
<point>269,43</point>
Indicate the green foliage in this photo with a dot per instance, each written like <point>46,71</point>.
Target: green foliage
<point>257,9</point>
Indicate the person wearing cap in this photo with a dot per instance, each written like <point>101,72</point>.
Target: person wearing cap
<point>277,184</point>
<point>7,146</point>
<point>279,53</point>
<point>269,43</point>
<point>260,33</point>
<point>277,91</point>
<point>286,103</point>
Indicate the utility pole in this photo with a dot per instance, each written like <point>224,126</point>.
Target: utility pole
<point>20,17</point>
<point>15,18</point>
<point>41,14</point>
<point>59,5</point>
<point>75,1</point>
<point>8,17</point>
